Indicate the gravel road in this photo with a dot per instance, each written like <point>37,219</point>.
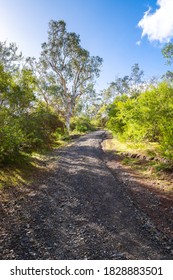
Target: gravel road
<point>78,210</point>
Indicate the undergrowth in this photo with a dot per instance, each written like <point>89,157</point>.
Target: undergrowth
<point>20,170</point>
<point>146,157</point>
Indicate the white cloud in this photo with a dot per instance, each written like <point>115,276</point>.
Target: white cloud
<point>158,26</point>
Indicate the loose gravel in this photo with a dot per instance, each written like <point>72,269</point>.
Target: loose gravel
<point>77,210</point>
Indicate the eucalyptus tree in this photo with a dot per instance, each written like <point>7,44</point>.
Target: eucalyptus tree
<point>130,85</point>
<point>120,86</point>
<point>167,52</point>
<point>46,88</point>
<point>137,85</point>
<point>73,66</point>
<point>168,77</point>
<point>10,58</point>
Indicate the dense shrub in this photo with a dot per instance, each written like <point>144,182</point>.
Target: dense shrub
<point>24,125</point>
<point>81,124</point>
<point>11,137</point>
<point>39,128</point>
<point>148,117</point>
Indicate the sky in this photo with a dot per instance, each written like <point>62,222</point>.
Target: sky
<point>122,32</point>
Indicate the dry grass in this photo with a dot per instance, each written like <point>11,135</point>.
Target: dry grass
<point>145,158</point>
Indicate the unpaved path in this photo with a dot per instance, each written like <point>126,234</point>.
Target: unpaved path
<point>78,210</point>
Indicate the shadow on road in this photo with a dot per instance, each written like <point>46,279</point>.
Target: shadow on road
<point>78,210</point>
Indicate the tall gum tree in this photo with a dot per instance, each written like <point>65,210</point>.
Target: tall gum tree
<point>10,58</point>
<point>75,69</point>
<point>167,53</point>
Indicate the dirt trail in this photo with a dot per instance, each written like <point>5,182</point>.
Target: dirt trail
<point>78,210</point>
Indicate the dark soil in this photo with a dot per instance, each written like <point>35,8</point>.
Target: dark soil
<point>82,208</point>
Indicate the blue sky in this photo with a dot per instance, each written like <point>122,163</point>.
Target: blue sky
<point>108,28</point>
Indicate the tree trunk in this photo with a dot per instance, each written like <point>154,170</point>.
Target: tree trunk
<point>67,123</point>
<point>68,116</point>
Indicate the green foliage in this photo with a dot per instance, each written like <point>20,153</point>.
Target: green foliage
<point>29,132</point>
<point>167,52</point>
<point>101,117</point>
<point>25,123</point>
<point>116,122</point>
<point>81,124</point>
<point>148,117</point>
<point>11,137</point>
<point>39,127</point>
<point>22,92</point>
<point>9,57</point>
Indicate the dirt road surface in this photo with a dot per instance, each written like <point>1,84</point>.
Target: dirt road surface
<point>77,210</point>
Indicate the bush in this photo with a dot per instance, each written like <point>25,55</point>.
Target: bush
<point>28,132</point>
<point>39,128</point>
<point>81,124</point>
<point>148,117</point>
<point>11,137</point>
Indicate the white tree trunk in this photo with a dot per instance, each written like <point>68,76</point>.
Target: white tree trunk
<point>68,123</point>
<point>68,115</point>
